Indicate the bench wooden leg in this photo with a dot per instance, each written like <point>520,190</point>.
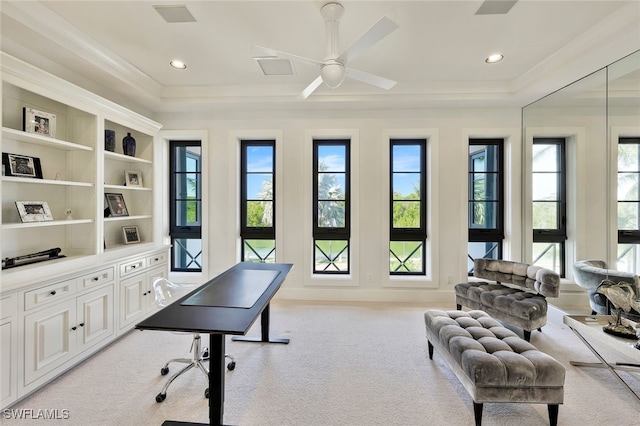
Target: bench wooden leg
<point>527,335</point>
<point>477,413</point>
<point>430,349</point>
<point>553,414</point>
<point>458,307</point>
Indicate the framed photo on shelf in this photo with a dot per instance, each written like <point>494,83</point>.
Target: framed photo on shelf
<point>115,205</point>
<point>42,123</point>
<point>131,234</point>
<point>132,178</point>
<point>21,166</point>
<point>34,211</point>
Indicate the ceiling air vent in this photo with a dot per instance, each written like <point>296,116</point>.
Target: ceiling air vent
<point>275,66</point>
<point>174,14</point>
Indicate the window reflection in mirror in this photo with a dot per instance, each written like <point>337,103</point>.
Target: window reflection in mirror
<point>593,115</point>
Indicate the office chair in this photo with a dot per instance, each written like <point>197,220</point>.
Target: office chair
<point>165,293</point>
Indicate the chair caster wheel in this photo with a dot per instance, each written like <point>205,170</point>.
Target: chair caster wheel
<point>206,393</point>
<point>164,371</point>
<point>161,397</point>
<point>231,366</point>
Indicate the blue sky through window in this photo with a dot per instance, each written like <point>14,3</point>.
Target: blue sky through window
<point>260,167</point>
<point>406,168</point>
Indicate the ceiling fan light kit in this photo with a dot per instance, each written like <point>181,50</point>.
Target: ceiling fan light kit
<point>334,69</point>
<point>333,74</point>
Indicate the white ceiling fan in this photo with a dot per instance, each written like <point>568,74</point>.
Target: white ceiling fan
<point>333,69</point>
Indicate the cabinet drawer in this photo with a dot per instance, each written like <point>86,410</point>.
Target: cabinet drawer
<point>132,267</point>
<point>95,278</point>
<point>50,293</point>
<point>156,259</point>
<point>8,306</point>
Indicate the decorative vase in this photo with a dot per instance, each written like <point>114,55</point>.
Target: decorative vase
<point>129,145</point>
<point>110,140</point>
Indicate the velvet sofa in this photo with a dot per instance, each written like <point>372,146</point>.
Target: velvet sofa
<point>516,294</point>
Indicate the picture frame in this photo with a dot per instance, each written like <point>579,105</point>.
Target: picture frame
<point>34,211</point>
<point>39,122</point>
<point>133,178</point>
<point>115,205</point>
<point>21,166</point>
<point>131,234</point>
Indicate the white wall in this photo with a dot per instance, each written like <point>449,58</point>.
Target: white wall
<point>447,131</point>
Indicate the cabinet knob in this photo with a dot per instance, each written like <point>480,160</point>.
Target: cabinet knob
<point>81,324</point>
<point>95,278</point>
<point>74,328</point>
<point>53,293</point>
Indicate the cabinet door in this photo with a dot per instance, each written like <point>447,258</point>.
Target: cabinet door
<point>8,361</point>
<point>49,339</point>
<point>95,317</point>
<point>8,350</point>
<point>133,299</point>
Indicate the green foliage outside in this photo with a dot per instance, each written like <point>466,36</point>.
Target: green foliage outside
<point>260,213</point>
<point>406,210</point>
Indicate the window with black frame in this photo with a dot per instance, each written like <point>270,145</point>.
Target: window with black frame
<point>486,200</point>
<point>185,193</point>
<point>331,206</point>
<point>628,256</point>
<point>408,229</point>
<point>549,203</point>
<point>257,201</point>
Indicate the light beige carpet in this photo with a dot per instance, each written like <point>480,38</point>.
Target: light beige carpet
<point>347,364</point>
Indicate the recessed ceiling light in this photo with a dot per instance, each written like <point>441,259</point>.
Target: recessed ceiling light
<point>178,64</point>
<point>496,57</point>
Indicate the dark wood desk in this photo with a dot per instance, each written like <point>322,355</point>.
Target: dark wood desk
<point>222,306</point>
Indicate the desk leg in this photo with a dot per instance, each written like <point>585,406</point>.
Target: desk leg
<point>603,364</point>
<point>216,378</point>
<point>264,338</point>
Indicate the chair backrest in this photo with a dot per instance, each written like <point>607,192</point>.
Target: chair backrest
<point>529,277</point>
<point>589,274</point>
<point>164,291</point>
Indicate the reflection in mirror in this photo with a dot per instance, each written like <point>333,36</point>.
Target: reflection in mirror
<point>591,118</point>
<point>572,122</point>
<point>624,124</point>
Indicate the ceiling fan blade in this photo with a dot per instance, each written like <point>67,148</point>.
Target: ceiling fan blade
<point>374,80</point>
<point>266,51</point>
<point>310,88</point>
<point>380,30</point>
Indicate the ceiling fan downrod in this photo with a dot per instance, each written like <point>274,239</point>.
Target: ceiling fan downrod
<point>332,71</point>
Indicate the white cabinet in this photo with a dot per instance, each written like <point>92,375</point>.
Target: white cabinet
<point>55,313</point>
<point>57,333</point>
<point>8,350</point>
<point>136,292</point>
<point>49,340</point>
<point>133,299</point>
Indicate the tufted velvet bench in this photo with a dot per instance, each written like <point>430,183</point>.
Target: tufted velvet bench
<point>517,294</point>
<point>492,362</point>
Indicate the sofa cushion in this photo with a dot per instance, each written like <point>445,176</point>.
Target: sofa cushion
<point>512,301</point>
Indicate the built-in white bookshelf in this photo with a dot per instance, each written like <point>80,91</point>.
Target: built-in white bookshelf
<point>77,170</point>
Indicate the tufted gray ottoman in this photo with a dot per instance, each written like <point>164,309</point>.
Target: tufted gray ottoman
<point>492,362</point>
